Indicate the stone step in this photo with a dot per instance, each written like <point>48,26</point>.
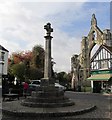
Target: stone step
<point>47,105</point>
<point>47,88</point>
<point>47,94</point>
<point>47,100</point>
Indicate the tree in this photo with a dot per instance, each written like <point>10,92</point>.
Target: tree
<point>28,64</point>
<point>64,78</point>
<point>38,56</point>
<point>36,73</point>
<point>19,70</point>
<point>18,57</point>
<point>61,76</point>
<point>18,64</point>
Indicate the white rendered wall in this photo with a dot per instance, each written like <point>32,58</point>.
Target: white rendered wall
<point>3,67</point>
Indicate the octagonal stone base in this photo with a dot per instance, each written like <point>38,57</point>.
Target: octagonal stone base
<point>47,96</point>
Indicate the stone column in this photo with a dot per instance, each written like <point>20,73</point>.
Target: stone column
<point>47,64</point>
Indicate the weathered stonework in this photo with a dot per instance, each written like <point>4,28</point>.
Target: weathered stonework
<point>95,36</point>
<point>47,63</point>
<point>47,95</point>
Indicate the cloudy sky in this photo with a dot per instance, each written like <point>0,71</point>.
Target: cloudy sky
<point>22,25</point>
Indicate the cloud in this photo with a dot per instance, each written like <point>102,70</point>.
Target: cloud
<point>64,1</point>
<point>63,48</point>
<point>21,27</point>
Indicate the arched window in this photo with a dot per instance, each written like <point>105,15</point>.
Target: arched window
<point>94,36</point>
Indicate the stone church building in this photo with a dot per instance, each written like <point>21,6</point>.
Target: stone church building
<point>82,64</point>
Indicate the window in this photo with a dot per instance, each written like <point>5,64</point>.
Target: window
<point>94,36</point>
<point>2,56</point>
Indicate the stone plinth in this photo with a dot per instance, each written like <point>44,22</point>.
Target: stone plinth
<point>49,96</point>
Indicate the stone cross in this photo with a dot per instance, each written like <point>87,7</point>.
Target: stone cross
<point>47,64</point>
<point>48,29</point>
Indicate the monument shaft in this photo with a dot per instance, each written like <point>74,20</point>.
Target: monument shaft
<point>47,65</point>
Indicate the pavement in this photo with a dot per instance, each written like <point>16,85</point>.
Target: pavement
<point>102,101</point>
<point>82,100</point>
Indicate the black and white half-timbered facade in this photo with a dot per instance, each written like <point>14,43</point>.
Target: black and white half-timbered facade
<point>101,69</point>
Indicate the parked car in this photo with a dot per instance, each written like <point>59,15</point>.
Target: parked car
<point>61,87</point>
<point>36,83</point>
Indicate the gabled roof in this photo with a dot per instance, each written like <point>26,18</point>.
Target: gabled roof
<point>2,48</point>
<point>108,48</point>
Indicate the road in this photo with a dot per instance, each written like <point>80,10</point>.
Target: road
<point>103,103</point>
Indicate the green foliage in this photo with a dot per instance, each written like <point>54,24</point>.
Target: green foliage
<point>27,65</point>
<point>35,73</point>
<point>63,78</point>
<point>18,70</point>
<point>38,56</point>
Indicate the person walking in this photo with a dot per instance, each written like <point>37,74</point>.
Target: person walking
<point>25,89</point>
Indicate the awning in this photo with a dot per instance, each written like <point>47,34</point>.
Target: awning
<point>100,77</point>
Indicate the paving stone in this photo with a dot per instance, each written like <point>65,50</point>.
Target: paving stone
<point>103,111</point>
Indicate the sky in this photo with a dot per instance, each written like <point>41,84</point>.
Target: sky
<point>22,25</point>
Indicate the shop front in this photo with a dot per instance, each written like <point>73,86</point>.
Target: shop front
<point>101,80</point>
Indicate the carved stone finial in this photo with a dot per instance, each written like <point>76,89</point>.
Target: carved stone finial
<point>93,21</point>
<point>48,28</point>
